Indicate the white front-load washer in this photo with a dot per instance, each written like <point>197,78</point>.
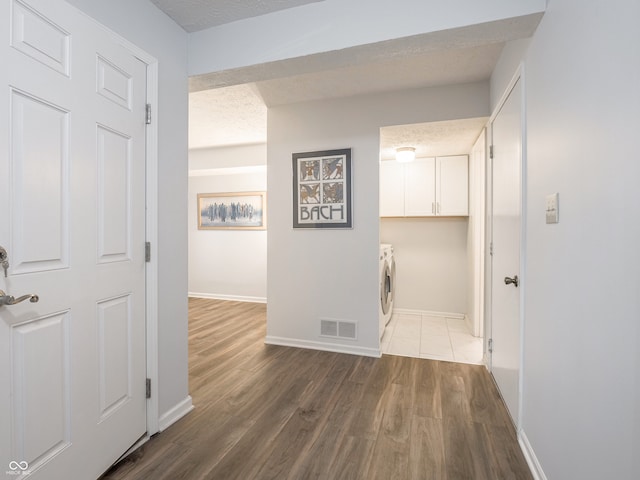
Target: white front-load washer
<point>387,284</point>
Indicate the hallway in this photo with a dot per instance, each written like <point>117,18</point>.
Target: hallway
<point>270,412</point>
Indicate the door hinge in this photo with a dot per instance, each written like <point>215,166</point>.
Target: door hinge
<point>147,252</point>
<point>148,388</point>
<point>148,114</point>
<point>490,345</point>
<point>491,249</point>
<point>490,151</point>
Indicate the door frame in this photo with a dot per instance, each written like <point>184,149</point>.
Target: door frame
<point>152,237</point>
<point>151,226</point>
<point>519,75</point>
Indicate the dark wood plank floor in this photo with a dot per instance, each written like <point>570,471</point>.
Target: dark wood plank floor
<point>269,412</point>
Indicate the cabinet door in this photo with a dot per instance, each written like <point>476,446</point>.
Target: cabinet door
<point>391,189</point>
<point>452,185</point>
<point>419,188</point>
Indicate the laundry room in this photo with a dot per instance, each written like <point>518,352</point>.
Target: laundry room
<point>431,180</point>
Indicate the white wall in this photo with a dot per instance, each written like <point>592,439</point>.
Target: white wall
<point>581,405</point>
<point>140,22</point>
<point>333,274</point>
<point>508,63</point>
<point>227,264</point>
<point>228,157</point>
<point>476,235</point>
<point>431,262</point>
<point>334,25</point>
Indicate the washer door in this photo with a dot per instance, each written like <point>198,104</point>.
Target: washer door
<point>392,280</point>
<point>386,288</point>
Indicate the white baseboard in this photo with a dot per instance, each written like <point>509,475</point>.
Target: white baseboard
<point>176,413</point>
<point>408,311</point>
<point>234,298</point>
<point>327,347</point>
<point>469,324</point>
<point>530,456</point>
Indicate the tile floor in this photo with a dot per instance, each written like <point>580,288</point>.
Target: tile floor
<point>438,338</point>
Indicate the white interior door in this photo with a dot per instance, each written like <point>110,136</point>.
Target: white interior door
<point>506,219</point>
<point>72,163</point>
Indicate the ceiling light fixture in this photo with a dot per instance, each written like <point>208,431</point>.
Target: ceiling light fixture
<point>405,154</point>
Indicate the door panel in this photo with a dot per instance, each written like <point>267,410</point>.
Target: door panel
<point>36,36</point>
<point>74,197</point>
<point>506,219</point>
<point>114,345</point>
<point>39,184</point>
<point>114,213</point>
<point>39,433</point>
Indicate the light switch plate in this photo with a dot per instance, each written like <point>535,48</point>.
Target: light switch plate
<point>553,213</point>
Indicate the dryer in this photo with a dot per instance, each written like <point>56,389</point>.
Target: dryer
<point>387,284</point>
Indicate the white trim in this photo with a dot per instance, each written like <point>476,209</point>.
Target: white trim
<point>530,457</point>
<point>523,232</point>
<point>234,298</point>
<point>205,172</point>
<point>153,410</point>
<point>327,347</point>
<point>174,414</point>
<point>505,95</point>
<point>408,311</point>
<point>486,359</point>
<point>479,156</point>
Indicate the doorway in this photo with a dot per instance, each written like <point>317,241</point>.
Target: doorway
<point>438,307</point>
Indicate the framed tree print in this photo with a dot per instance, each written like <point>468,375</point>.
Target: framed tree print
<point>322,189</point>
<point>232,211</point>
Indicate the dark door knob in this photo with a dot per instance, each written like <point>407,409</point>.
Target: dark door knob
<point>509,280</point>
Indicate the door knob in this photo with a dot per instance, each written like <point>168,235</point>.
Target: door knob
<point>3,260</point>
<point>11,300</point>
<point>509,280</point>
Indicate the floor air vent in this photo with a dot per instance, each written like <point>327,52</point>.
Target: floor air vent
<point>338,329</point>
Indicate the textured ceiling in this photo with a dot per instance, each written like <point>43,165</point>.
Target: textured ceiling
<point>237,114</point>
<point>229,107</point>
<point>453,66</point>
<point>194,15</point>
<point>432,139</point>
<point>227,116</point>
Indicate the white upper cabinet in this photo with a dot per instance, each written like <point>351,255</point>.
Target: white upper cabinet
<point>391,182</point>
<point>420,188</point>
<point>452,185</point>
<point>426,187</point>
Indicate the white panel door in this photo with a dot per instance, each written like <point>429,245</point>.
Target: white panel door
<point>72,192</point>
<point>452,185</point>
<point>420,187</point>
<point>506,218</point>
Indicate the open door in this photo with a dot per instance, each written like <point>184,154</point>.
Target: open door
<point>506,278</point>
<point>72,190</point>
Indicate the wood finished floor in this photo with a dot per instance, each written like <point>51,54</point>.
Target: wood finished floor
<point>269,412</point>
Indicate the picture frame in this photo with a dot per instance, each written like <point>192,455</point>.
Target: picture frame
<point>232,211</point>
<point>322,189</point>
